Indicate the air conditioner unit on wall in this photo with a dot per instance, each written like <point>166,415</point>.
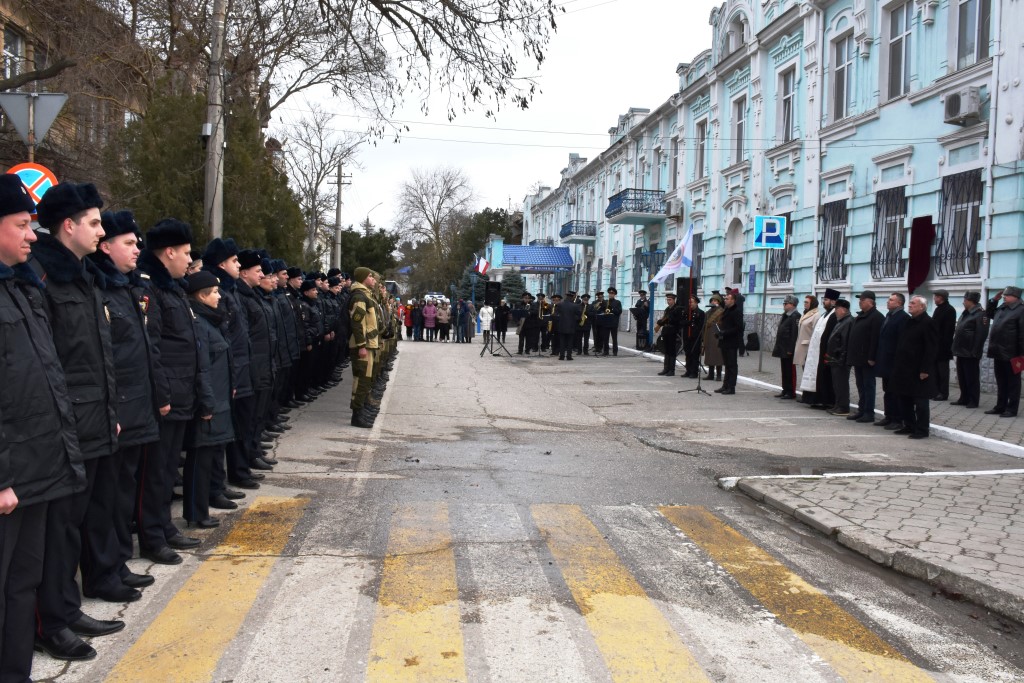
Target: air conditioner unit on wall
<point>674,208</point>
<point>963,107</point>
<point>588,251</point>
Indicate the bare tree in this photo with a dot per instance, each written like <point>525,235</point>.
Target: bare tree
<point>312,153</point>
<point>430,206</point>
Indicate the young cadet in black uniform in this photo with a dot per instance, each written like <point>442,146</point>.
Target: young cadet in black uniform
<point>289,330</point>
<point>272,415</point>
<point>105,574</point>
<point>693,337</point>
<point>670,325</point>
<point>583,332</point>
<point>171,328</point>
<point>314,333</point>
<point>40,461</point>
<point>81,335</point>
<point>554,340</point>
<point>261,366</point>
<point>615,308</point>
<point>544,310</point>
<point>300,387</point>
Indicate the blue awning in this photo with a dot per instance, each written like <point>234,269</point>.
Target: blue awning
<point>534,259</point>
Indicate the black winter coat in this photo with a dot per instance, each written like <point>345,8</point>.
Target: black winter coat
<point>344,323</point>
<point>1006,337</point>
<point>218,378</point>
<point>730,327</point>
<point>839,342</point>
<point>693,330</point>
<point>944,322</point>
<point>313,330</point>
<point>288,326</point>
<point>863,344</point>
<point>237,332</point>
<point>137,414</point>
<point>566,318</point>
<point>278,351</point>
<point>915,353</point>
<point>261,361</point>
<point>969,336</point>
<point>81,335</point>
<point>39,454</point>
<point>301,318</point>
<point>172,331</point>
<point>888,336</point>
<point>785,336</point>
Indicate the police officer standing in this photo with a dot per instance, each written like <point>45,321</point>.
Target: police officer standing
<point>81,335</point>
<point>693,337</point>
<point>40,461</point>
<point>670,324</point>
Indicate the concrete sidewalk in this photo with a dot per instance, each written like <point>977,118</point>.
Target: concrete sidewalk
<point>961,532</point>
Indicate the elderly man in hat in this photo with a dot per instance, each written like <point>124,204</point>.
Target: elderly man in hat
<point>1006,345</point>
<point>913,375</point>
<point>862,355</point>
<point>105,574</point>
<point>176,372</point>
<point>816,382</point>
<point>967,347</point>
<point>835,358</point>
<point>40,459</point>
<point>785,345</point>
<point>888,337</point>
<point>944,321</point>
<point>81,334</point>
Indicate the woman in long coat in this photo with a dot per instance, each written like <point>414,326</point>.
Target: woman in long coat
<point>805,329</point>
<point>444,320</point>
<point>712,353</point>
<point>430,320</point>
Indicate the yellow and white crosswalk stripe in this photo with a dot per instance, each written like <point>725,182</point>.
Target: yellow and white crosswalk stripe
<point>185,642</point>
<point>417,634</point>
<point>850,648</point>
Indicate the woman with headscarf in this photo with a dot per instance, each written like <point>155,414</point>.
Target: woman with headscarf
<point>713,358</point>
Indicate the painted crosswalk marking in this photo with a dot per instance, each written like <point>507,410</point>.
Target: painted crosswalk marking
<point>185,642</point>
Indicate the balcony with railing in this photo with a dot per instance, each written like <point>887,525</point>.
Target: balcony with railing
<point>636,207</point>
<point>579,232</point>
<point>543,242</point>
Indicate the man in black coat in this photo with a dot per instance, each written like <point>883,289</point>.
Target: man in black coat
<point>640,312</point>
<point>105,572</point>
<point>968,347</point>
<point>692,335</point>
<point>615,309</point>
<point>862,355</point>
<point>566,321</point>
<point>1006,342</point>
<point>40,460</point>
<point>81,335</point>
<point>885,359</point>
<point>824,394</point>
<point>583,332</point>
<point>785,346</point>
<point>288,330</point>
<point>172,331</point>
<point>835,358</point>
<point>670,325</point>
<point>913,375</point>
<point>730,339</point>
<point>944,320</point>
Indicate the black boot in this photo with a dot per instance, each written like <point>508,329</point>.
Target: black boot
<point>359,421</point>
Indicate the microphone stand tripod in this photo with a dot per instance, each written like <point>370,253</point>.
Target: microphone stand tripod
<point>700,376</point>
<point>492,339</point>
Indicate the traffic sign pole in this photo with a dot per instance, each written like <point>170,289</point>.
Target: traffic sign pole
<point>769,233</point>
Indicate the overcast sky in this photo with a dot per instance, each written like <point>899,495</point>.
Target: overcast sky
<point>607,56</point>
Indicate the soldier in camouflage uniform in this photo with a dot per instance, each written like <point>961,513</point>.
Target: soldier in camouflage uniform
<point>363,344</point>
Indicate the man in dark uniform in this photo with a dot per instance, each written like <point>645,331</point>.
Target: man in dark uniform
<point>944,322</point>
<point>288,329</point>
<point>640,313</point>
<point>544,312</point>
<point>598,315</point>
<point>566,322</point>
<point>314,331</point>
<point>105,574</point>
<point>250,424</point>
<point>583,333</point>
<point>693,337</point>
<point>176,375</point>
<point>552,330</point>
<point>40,460</point>
<point>615,309</point>
<point>670,324</point>
<point>300,386</point>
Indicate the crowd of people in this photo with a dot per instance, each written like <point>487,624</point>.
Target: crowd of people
<point>437,321</point>
<point>910,350</point>
<point>134,367</point>
<point>563,325</point>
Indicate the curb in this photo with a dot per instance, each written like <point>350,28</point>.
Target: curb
<point>995,595</point>
<point>955,435</point>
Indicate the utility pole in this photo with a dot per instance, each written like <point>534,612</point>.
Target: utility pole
<point>213,130</point>
<point>336,249</point>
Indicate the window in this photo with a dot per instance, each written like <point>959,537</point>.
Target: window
<point>890,238</point>
<point>638,273</point>
<point>613,272</point>
<point>587,280</point>
<point>973,25</point>
<point>956,252</point>
<point>780,260</point>
<point>697,258</point>
<point>702,148</point>
<point>787,87</point>
<point>600,273</point>
<point>842,77</point>
<point>675,164</point>
<point>670,281</point>
<point>832,244</point>
<point>739,117</point>
<point>14,52</point>
<point>900,22</point>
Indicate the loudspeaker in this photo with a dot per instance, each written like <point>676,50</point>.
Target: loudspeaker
<point>685,286</point>
<point>492,293</point>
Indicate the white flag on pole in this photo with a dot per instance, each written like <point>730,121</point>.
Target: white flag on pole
<point>681,256</point>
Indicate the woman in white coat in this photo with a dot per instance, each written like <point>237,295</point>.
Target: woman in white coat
<point>486,319</point>
<point>806,330</point>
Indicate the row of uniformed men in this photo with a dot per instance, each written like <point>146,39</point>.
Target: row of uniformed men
<point>539,323</point>
<point>114,363</point>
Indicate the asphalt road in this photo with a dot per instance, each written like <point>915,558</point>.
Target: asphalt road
<point>525,519</point>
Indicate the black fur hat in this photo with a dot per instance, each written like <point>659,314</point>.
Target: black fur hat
<point>64,200</point>
<point>266,265</point>
<point>294,272</point>
<point>307,285</point>
<point>249,258</point>
<point>117,223</point>
<point>170,232</point>
<point>200,280</point>
<point>218,251</point>
<point>14,198</point>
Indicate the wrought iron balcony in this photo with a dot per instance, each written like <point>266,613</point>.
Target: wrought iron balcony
<point>543,242</point>
<point>636,207</point>
<point>579,232</point>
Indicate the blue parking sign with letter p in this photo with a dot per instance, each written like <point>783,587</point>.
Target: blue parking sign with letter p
<point>770,232</point>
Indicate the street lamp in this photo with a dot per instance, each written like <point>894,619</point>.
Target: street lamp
<point>366,225</point>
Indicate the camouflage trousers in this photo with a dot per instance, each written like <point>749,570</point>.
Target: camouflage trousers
<point>362,376</point>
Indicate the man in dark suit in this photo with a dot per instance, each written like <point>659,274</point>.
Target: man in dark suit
<point>670,324</point>
<point>785,346</point>
<point>913,376</point>
<point>944,322</point>
<point>565,323</point>
<point>693,336</point>
<point>862,354</point>
<point>730,339</point>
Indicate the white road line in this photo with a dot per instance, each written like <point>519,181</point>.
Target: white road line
<point>730,482</point>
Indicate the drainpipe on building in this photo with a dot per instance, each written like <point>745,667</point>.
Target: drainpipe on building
<point>993,90</point>
<point>823,103</point>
